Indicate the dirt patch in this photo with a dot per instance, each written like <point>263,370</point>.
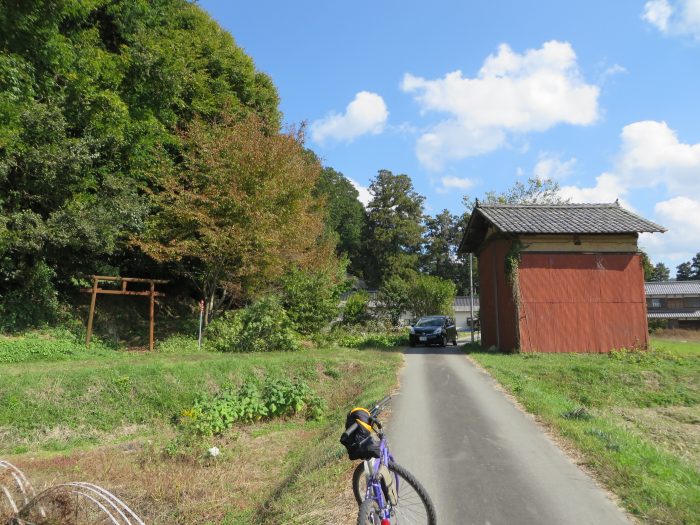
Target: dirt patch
<point>673,429</point>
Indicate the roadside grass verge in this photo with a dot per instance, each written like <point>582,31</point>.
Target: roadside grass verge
<point>108,419</point>
<point>633,416</point>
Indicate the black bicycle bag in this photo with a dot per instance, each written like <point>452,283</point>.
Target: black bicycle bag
<point>363,443</point>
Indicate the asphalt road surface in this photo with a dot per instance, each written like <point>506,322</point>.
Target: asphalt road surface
<point>481,459</point>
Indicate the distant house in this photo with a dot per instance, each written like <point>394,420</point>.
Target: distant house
<point>559,277</point>
<point>462,308</point>
<point>677,302</point>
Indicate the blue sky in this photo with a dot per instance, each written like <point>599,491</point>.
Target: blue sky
<point>467,97</point>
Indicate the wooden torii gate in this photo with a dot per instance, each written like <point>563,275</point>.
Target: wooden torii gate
<point>151,292</point>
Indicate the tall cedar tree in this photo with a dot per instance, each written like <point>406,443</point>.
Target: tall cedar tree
<point>91,97</point>
<point>695,267</point>
<point>684,272</point>
<point>238,211</point>
<point>443,235</point>
<point>394,231</point>
<point>345,215</point>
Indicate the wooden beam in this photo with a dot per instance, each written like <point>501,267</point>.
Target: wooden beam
<point>93,299</point>
<point>151,323</point>
<point>121,292</point>
<point>131,279</point>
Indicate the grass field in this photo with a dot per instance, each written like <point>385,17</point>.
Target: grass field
<point>108,419</point>
<point>633,417</point>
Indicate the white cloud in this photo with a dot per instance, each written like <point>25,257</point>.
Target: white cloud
<point>608,187</point>
<point>365,196</point>
<point>513,93</point>
<point>367,113</point>
<point>550,166</point>
<point>657,13</point>
<point>452,183</point>
<point>680,17</point>
<point>652,155</point>
<point>682,239</point>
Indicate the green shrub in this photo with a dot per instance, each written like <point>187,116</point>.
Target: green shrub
<point>657,324</point>
<point>261,327</point>
<point>356,309</point>
<point>431,295</point>
<point>393,298</point>
<point>311,298</point>
<point>369,339</point>
<point>278,397</point>
<point>177,344</point>
<point>35,303</point>
<point>47,345</point>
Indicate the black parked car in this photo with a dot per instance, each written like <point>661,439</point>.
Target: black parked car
<point>436,329</point>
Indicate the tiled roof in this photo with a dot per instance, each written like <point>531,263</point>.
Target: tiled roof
<point>672,288</point>
<point>673,315</point>
<point>552,219</point>
<point>566,218</point>
<point>462,303</point>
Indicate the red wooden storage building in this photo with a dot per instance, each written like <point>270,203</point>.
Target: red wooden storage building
<point>559,277</point>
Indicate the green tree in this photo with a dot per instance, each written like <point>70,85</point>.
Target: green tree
<point>311,297</point>
<point>92,95</point>
<point>430,295</point>
<point>238,211</point>
<point>661,272</point>
<point>345,214</point>
<point>394,231</point>
<point>695,267</point>
<point>356,308</point>
<point>394,298</point>
<point>646,266</point>
<point>684,272</point>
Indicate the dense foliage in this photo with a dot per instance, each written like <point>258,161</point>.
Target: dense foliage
<point>356,308</point>
<point>345,215</point>
<point>311,297</point>
<point>132,128</point>
<point>263,326</point>
<point>237,210</point>
<point>431,295</point>
<point>212,415</point>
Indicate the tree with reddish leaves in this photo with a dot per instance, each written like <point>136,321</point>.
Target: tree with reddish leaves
<point>238,211</point>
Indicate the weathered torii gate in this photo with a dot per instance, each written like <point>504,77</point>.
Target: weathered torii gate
<point>124,281</point>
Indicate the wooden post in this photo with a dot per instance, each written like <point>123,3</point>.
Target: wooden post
<point>151,323</point>
<point>93,299</point>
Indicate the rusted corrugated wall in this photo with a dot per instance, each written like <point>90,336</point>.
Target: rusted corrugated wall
<point>573,302</point>
<point>497,308</point>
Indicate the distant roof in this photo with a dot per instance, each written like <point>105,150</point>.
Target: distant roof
<point>553,218</point>
<point>462,303</point>
<point>674,315</point>
<point>664,288</point>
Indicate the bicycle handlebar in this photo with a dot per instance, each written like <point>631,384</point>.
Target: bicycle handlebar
<point>374,411</point>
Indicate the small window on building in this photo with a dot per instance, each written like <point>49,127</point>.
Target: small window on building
<point>656,303</point>
<point>691,302</point>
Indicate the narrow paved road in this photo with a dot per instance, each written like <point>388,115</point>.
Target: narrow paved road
<point>482,460</point>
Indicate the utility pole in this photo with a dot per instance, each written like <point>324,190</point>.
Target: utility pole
<point>471,297</point>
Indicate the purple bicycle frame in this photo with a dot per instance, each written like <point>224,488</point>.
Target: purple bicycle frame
<point>374,487</point>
